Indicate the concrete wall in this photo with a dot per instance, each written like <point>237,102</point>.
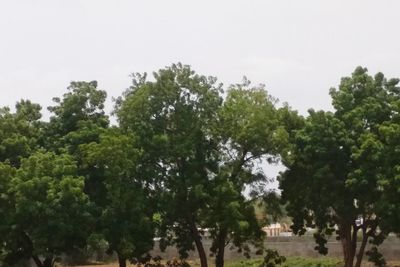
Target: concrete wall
<point>287,246</point>
<point>293,246</point>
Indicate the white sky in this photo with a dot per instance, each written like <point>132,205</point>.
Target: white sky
<point>299,49</point>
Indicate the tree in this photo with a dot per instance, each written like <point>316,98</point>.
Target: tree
<point>340,169</point>
<point>19,131</point>
<point>82,107</point>
<point>250,133</point>
<point>50,213</point>
<point>7,254</point>
<point>79,118</point>
<point>170,118</point>
<point>200,153</point>
<point>126,220</point>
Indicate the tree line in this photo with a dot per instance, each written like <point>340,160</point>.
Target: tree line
<point>178,160</point>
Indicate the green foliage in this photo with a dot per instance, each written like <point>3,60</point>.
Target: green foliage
<point>272,259</point>
<point>19,131</point>
<point>178,162</point>
<point>126,221</point>
<point>342,168</point>
<point>77,117</point>
<point>248,120</point>
<point>47,189</point>
<point>376,257</point>
<point>171,118</point>
<point>7,172</point>
<point>49,214</point>
<point>83,102</point>
<point>156,262</point>
<point>249,131</point>
<point>201,152</point>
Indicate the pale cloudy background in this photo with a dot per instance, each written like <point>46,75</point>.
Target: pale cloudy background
<point>299,49</point>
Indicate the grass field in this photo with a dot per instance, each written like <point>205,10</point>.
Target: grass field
<point>290,262</point>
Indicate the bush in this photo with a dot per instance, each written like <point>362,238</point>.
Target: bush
<point>272,259</point>
<point>172,263</point>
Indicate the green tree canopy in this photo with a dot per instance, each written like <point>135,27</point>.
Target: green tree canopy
<point>249,132</point>
<point>171,118</point>
<point>341,168</point>
<point>126,221</point>
<point>49,212</point>
<point>19,131</point>
<point>77,116</point>
<point>201,152</point>
<point>7,172</point>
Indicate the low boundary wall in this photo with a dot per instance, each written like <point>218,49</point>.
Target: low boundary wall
<point>292,246</point>
<point>287,246</point>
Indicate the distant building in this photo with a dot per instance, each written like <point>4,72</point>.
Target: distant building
<point>273,229</point>
<point>277,229</point>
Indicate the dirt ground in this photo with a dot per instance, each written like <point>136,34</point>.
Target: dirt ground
<point>115,264</point>
<point>196,264</point>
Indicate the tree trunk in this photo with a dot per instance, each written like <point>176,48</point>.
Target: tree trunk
<point>362,249</point>
<point>48,262</point>
<point>37,261</point>
<point>348,246</point>
<point>121,261</point>
<point>348,253</point>
<point>219,257</point>
<point>199,244</point>
<point>201,251</point>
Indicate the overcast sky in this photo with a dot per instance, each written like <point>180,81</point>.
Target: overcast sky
<point>299,49</point>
